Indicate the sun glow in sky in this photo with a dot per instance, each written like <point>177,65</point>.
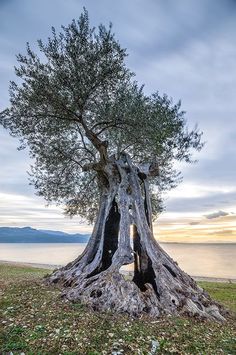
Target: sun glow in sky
<point>186,49</point>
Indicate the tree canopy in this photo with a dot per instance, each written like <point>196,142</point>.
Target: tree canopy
<point>76,105</point>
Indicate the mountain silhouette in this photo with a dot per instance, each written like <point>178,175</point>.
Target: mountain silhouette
<point>31,235</point>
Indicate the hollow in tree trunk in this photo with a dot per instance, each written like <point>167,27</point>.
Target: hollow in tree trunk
<point>158,286</point>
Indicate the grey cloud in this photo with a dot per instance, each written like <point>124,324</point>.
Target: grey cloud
<point>222,232</point>
<point>218,170</point>
<point>216,215</point>
<point>200,204</point>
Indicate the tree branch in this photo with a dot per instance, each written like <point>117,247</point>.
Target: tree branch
<point>69,157</point>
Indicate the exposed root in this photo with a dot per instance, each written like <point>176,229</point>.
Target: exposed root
<point>110,291</point>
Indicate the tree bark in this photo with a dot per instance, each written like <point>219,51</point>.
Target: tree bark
<point>158,286</point>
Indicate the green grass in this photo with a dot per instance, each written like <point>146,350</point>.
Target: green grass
<point>13,273</point>
<point>36,321</point>
<point>224,293</point>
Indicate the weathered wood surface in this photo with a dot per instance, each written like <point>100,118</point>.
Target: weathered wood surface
<point>159,286</point>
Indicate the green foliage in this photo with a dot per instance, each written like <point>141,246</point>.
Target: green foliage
<point>76,95</point>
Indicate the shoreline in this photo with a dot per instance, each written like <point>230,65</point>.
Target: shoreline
<point>35,265</point>
<point>52,267</point>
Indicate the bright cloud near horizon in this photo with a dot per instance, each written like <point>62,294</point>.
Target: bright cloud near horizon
<point>184,48</point>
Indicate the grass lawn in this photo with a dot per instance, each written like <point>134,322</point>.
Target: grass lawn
<point>35,320</point>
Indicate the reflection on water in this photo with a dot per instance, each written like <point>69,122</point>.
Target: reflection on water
<point>210,260</point>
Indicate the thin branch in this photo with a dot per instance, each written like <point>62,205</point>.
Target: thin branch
<point>101,123</point>
<point>68,157</point>
<point>84,144</point>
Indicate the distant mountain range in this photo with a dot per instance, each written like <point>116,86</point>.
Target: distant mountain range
<point>31,235</point>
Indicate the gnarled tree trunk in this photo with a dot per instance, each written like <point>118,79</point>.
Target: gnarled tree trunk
<point>158,286</point>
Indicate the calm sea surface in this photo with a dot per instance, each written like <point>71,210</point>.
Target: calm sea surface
<point>209,260</point>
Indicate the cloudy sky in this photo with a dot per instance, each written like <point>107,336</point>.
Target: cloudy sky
<point>184,48</point>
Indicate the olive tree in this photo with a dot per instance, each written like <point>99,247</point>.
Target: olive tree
<point>106,151</point>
